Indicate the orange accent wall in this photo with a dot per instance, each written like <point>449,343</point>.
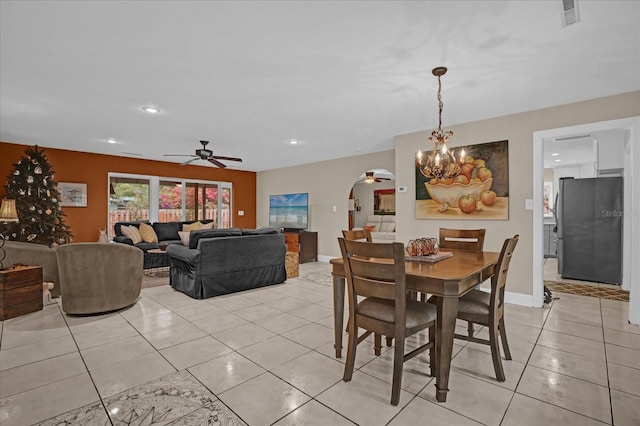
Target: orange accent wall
<point>93,169</point>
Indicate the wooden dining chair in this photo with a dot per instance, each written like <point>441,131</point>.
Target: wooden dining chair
<point>376,272</point>
<point>357,235</point>
<point>462,239</point>
<point>480,307</point>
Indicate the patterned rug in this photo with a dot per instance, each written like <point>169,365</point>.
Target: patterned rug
<point>595,290</point>
<point>153,280</point>
<point>318,278</point>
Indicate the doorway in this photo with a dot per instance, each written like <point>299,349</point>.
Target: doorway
<point>631,270</point>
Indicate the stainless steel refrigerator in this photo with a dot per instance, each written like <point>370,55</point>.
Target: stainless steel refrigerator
<point>589,220</point>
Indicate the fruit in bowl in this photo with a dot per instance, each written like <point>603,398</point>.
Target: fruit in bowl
<point>450,195</point>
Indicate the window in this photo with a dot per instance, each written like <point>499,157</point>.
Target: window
<point>134,197</point>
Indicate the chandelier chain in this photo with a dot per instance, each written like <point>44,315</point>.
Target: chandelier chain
<point>440,105</point>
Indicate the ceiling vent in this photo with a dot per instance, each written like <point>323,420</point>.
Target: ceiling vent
<point>569,12</point>
<point>570,138</point>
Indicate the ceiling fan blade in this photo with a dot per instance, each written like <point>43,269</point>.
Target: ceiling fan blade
<point>217,163</point>
<point>190,161</point>
<point>178,155</point>
<point>218,157</point>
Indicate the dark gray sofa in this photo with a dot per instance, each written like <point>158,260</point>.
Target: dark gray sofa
<point>222,261</point>
<point>167,233</point>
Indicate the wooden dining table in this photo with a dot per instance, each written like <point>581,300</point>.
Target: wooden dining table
<point>448,279</point>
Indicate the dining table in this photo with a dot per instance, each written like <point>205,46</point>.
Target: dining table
<point>447,279</point>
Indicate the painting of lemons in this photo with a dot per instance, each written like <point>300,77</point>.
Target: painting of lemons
<point>479,192</point>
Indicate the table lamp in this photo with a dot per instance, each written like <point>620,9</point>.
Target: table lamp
<point>8,213</point>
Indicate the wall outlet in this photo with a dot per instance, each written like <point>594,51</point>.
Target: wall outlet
<point>240,212</point>
<point>402,189</point>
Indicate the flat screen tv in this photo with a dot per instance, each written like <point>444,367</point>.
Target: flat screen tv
<point>290,211</point>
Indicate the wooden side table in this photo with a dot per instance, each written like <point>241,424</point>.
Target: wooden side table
<point>20,291</point>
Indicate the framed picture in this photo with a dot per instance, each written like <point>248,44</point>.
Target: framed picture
<point>547,194</point>
<point>480,192</point>
<point>73,194</point>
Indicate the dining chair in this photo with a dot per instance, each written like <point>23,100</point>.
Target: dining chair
<point>376,273</point>
<point>357,235</point>
<point>462,239</point>
<point>480,307</point>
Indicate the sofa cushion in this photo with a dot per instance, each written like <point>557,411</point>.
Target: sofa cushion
<point>167,230</point>
<point>132,233</point>
<point>207,225</point>
<point>372,226</point>
<point>211,233</point>
<point>192,227</point>
<point>261,231</point>
<point>387,227</point>
<point>147,246</point>
<point>147,233</point>
<point>184,237</point>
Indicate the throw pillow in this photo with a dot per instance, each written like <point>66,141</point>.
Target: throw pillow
<point>207,225</point>
<point>375,226</point>
<point>184,237</point>
<point>192,227</point>
<point>147,233</point>
<point>132,233</point>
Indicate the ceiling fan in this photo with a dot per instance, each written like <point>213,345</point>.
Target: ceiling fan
<point>370,178</point>
<point>205,154</point>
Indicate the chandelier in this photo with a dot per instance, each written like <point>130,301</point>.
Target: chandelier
<point>440,163</point>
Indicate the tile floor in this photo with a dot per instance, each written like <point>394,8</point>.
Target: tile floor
<point>265,357</point>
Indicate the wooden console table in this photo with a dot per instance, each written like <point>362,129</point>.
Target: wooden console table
<point>304,243</point>
<point>20,291</point>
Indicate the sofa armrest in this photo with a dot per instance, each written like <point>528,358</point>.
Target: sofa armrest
<point>123,239</point>
<point>183,253</point>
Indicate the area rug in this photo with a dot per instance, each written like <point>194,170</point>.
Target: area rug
<point>318,277</point>
<point>176,399</point>
<point>154,280</point>
<point>588,290</point>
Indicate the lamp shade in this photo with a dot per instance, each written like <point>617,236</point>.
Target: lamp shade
<point>8,212</point>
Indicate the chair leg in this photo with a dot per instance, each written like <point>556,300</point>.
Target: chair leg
<point>351,353</point>
<point>377,344</point>
<point>503,337</point>
<point>495,352</point>
<point>389,341</point>
<point>470,328</point>
<point>398,361</point>
<point>432,351</point>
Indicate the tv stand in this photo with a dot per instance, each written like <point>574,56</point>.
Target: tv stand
<point>305,243</point>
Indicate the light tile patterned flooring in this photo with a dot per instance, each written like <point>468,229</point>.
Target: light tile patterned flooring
<point>266,357</point>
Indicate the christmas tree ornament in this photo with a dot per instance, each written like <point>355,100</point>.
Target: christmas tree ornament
<point>31,237</point>
<point>29,179</point>
<point>39,211</point>
<point>54,200</point>
<point>32,208</point>
<point>21,191</point>
<point>37,170</point>
<point>48,211</point>
<point>16,172</point>
<point>33,219</point>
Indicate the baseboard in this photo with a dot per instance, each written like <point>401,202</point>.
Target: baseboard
<point>515,298</point>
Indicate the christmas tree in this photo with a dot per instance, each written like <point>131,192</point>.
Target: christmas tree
<point>35,190</point>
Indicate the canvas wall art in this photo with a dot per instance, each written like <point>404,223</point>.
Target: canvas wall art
<point>480,192</point>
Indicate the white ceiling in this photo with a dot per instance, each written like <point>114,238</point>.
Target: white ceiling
<point>342,77</point>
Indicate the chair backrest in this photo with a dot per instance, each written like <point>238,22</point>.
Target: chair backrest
<point>374,270</point>
<point>357,235</point>
<point>462,239</point>
<point>499,278</point>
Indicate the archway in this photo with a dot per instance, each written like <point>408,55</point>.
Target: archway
<point>372,193</point>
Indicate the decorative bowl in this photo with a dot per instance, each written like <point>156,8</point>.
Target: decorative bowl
<point>448,195</point>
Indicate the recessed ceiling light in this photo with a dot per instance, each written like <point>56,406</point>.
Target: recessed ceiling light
<point>294,142</point>
<point>558,160</point>
<point>110,140</point>
<point>555,154</point>
<point>151,110</point>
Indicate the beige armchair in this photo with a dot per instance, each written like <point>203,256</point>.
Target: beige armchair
<point>35,255</point>
<point>98,277</point>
